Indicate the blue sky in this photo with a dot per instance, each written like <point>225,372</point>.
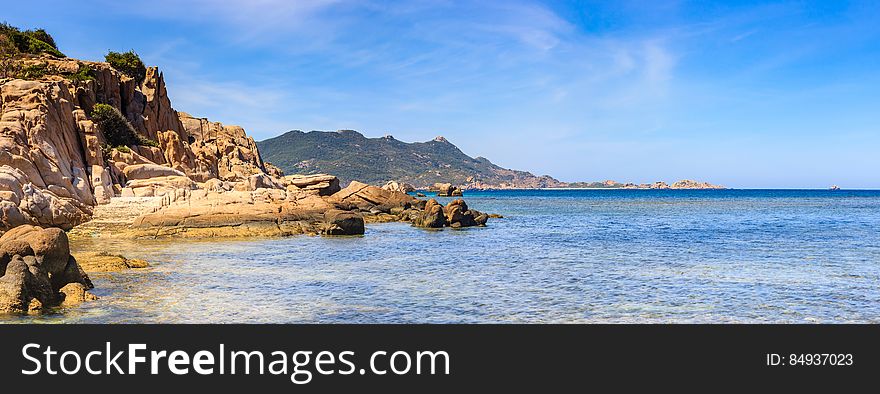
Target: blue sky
<point>746,94</point>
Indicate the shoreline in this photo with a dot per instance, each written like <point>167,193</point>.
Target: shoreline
<point>626,188</point>
<point>336,279</point>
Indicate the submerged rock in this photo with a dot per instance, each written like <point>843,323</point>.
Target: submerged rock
<point>107,262</point>
<point>74,294</point>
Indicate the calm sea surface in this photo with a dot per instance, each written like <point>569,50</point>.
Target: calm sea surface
<point>563,256</point>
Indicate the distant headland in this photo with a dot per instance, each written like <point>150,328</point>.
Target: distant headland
<point>351,156</point>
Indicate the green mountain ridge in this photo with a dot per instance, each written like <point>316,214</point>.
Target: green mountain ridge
<point>351,156</point>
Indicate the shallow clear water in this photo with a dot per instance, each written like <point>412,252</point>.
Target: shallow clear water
<point>557,256</point>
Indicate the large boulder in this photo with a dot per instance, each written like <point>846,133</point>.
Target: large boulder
<point>447,190</point>
<point>398,187</point>
<point>456,214</point>
<point>324,184</point>
<point>74,294</point>
<point>36,264</point>
<point>370,198</point>
<point>15,288</point>
<point>215,185</point>
<point>432,216</point>
<point>338,222</point>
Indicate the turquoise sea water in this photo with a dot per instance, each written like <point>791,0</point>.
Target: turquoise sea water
<point>562,256</point>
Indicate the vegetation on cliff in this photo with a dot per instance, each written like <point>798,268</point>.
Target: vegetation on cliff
<point>16,46</point>
<point>16,69</point>
<point>14,41</point>
<point>128,63</point>
<point>117,130</point>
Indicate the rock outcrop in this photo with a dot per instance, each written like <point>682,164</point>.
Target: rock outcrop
<point>281,212</point>
<point>399,187</point>
<point>263,212</point>
<point>56,164</point>
<point>38,271</point>
<point>456,214</point>
<point>367,198</point>
<point>323,184</point>
<point>447,190</point>
<point>219,151</point>
<point>431,217</point>
<point>158,172</point>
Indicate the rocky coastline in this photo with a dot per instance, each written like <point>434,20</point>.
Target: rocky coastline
<point>184,176</point>
<point>89,150</point>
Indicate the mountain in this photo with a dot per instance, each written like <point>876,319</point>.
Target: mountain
<point>351,156</point>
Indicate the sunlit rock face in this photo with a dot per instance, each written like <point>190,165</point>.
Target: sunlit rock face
<point>55,164</point>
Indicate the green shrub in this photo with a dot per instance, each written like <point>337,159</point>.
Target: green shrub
<point>33,42</point>
<point>35,46</point>
<point>128,63</point>
<point>83,73</point>
<point>117,130</point>
<point>7,47</point>
<point>34,71</point>
<point>43,36</point>
<point>8,67</point>
<point>11,67</point>
<point>144,141</point>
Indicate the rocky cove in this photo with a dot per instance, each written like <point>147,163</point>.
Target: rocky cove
<point>63,176</point>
